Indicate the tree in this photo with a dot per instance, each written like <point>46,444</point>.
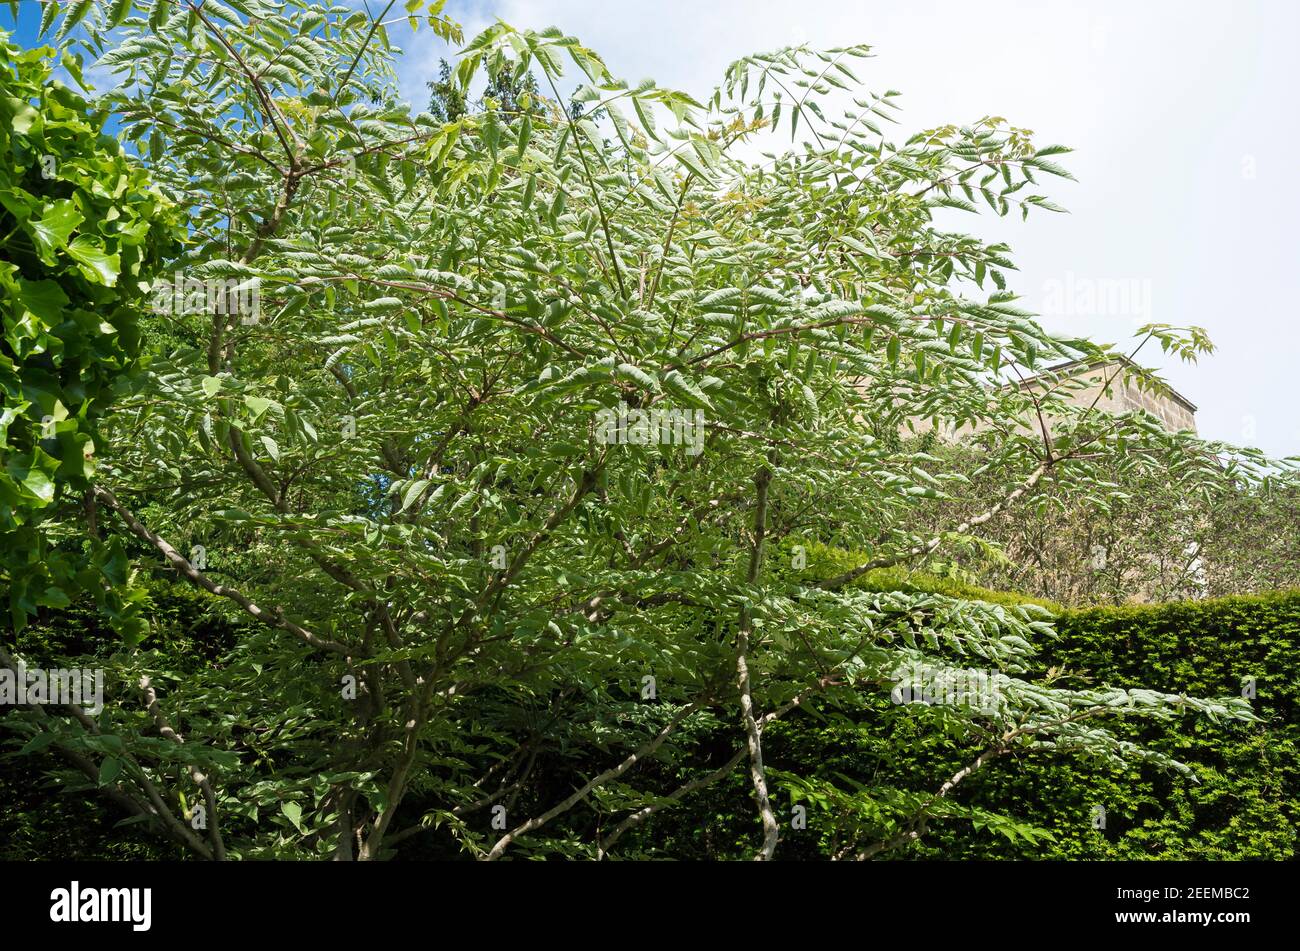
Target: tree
<point>514,459</point>
<point>1144,538</point>
<point>512,95</point>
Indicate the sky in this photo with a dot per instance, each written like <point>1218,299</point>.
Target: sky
<point>1183,120</point>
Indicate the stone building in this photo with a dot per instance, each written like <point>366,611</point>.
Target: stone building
<point>1173,409</point>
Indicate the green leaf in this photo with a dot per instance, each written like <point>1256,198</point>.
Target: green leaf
<point>121,9</point>
<point>687,158</point>
<point>56,224</point>
<point>412,493</point>
<point>24,115</point>
<point>293,812</point>
<point>525,133</point>
<point>97,264</point>
<point>45,299</point>
<point>79,9</point>
<point>256,404</point>
<point>109,770</point>
<point>674,382</point>
<point>37,743</point>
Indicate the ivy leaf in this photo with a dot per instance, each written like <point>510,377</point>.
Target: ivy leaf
<point>45,299</point>
<point>52,230</point>
<point>97,264</point>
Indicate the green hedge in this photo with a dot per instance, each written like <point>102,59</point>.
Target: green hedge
<point>825,561</point>
<point>1246,805</point>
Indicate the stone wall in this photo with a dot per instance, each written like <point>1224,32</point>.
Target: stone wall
<point>1174,412</point>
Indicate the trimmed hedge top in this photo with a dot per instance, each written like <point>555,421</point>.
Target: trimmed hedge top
<point>826,561</point>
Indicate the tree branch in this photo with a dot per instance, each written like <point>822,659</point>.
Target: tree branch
<point>771,832</point>
<point>165,728</point>
<point>275,618</point>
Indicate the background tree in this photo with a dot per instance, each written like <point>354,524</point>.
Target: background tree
<point>446,101</point>
<point>1147,539</point>
<point>513,95</point>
